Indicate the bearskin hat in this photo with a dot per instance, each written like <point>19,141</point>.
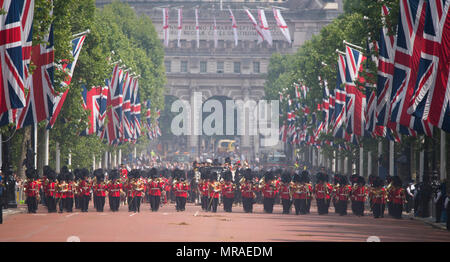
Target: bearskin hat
<point>248,174</point>
<point>69,176</point>
<point>377,182</point>
<point>213,176</point>
<point>51,175</point>
<point>371,179</point>
<point>286,177</point>
<point>227,160</point>
<point>344,180</point>
<point>61,176</point>
<point>268,176</point>
<point>396,181</point>
<point>46,170</point>
<point>77,173</point>
<point>388,179</point>
<point>321,177</point>
<point>354,179</point>
<point>114,174</point>
<point>31,173</point>
<point>361,181</point>
<point>304,176</point>
<point>153,172</point>
<point>227,176</point>
<point>297,178</point>
<point>99,174</point>
<point>134,173</point>
<point>84,173</point>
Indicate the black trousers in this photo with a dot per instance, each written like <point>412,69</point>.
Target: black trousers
<point>214,204</point>
<point>77,202</point>
<point>136,204</point>
<point>308,205</point>
<point>84,203</point>
<point>100,203</point>
<point>228,204</point>
<point>358,208</point>
<point>1,209</point>
<point>154,202</point>
<point>378,210</point>
<point>130,204</point>
<point>341,206</point>
<point>31,203</point>
<point>51,204</point>
<point>286,205</point>
<point>322,206</point>
<point>301,206</point>
<point>389,205</point>
<point>268,204</point>
<point>397,210</point>
<point>448,216</point>
<point>439,208</point>
<point>247,203</point>
<point>69,204</point>
<point>205,202</point>
<point>62,204</point>
<point>114,203</point>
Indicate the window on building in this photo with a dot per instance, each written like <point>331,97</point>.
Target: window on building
<point>203,65</point>
<point>184,65</point>
<point>168,65</point>
<point>237,67</point>
<point>256,68</point>
<point>220,67</point>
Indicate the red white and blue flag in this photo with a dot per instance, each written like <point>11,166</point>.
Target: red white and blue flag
<point>126,124</point>
<point>92,100</point>
<point>111,132</point>
<point>408,47</point>
<point>12,78</point>
<point>136,110</point>
<point>340,97</point>
<point>69,68</point>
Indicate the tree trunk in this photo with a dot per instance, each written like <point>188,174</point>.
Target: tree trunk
<point>23,151</point>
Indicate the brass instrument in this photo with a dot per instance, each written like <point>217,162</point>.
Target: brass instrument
<point>262,183</point>
<point>242,180</point>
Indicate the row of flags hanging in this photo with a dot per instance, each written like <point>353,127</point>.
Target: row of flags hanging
<point>118,100</point>
<point>411,94</point>
<point>42,102</point>
<point>261,26</point>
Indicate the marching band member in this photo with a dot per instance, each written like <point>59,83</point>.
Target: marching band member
<point>61,189</point>
<point>51,191</point>
<point>321,191</point>
<point>398,197</point>
<point>155,186</point>
<point>214,191</point>
<point>228,189</point>
<point>203,186</point>
<point>85,190</point>
<point>31,190</point>
<point>114,190</point>
<point>247,191</point>
<point>137,189</point>
<point>359,194</point>
<point>301,191</point>
<point>342,195</point>
<point>69,194</point>
<point>285,188</point>
<point>378,198</point>
<point>268,190</point>
<point>100,189</point>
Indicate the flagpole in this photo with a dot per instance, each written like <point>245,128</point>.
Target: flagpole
<point>46,143</point>
<point>82,33</point>
<point>380,152</point>
<point>58,159</point>
<point>340,52</point>
<point>35,136</point>
<point>421,160</point>
<point>369,163</point>
<point>391,158</point>
<point>361,160</point>
<point>443,156</point>
<point>352,45</point>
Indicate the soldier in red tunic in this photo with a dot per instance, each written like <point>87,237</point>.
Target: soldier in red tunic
<point>51,191</point>
<point>285,189</point>
<point>358,196</point>
<point>321,191</point>
<point>214,190</point>
<point>228,190</point>
<point>268,190</point>
<point>100,189</point>
<point>378,198</point>
<point>247,191</point>
<point>123,172</point>
<point>137,189</point>
<point>69,194</point>
<point>61,188</point>
<point>85,190</point>
<point>114,190</point>
<point>203,186</point>
<point>31,190</point>
<point>342,196</point>
<point>155,186</point>
<point>398,197</point>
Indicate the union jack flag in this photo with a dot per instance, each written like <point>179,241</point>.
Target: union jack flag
<point>431,97</point>
<point>340,97</point>
<point>136,110</point>
<point>102,109</point>
<point>92,100</point>
<point>409,42</point>
<point>148,122</point>
<point>126,126</point>
<point>355,100</point>
<point>40,98</point>
<point>114,107</point>
<point>59,99</point>
<point>12,79</point>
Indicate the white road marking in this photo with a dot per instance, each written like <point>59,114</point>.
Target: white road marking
<point>133,214</point>
<point>196,214</point>
<point>73,214</point>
